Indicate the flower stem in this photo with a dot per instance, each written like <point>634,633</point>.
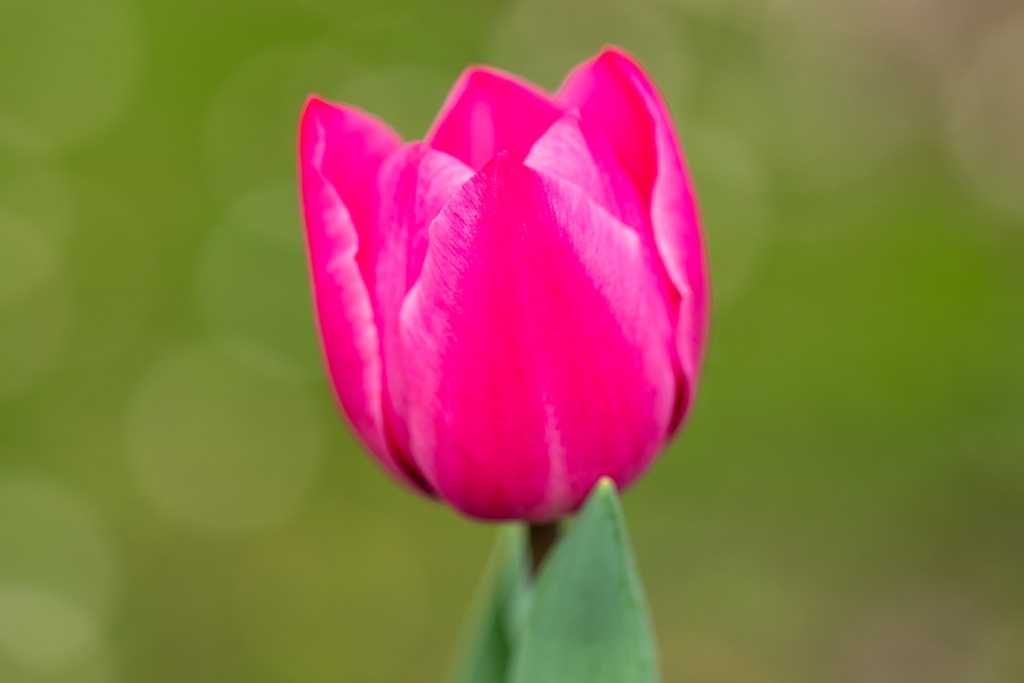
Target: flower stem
<point>542,539</point>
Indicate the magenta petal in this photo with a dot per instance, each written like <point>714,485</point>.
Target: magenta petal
<point>537,348</point>
<point>577,152</point>
<point>489,111</point>
<point>340,153</point>
<point>614,93</point>
<point>415,183</point>
<point>346,146</point>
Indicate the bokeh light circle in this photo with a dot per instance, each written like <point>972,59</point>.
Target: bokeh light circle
<point>251,122</point>
<point>826,105</point>
<point>67,68</point>
<point>248,139</point>
<point>43,629</point>
<point>35,300</point>
<point>35,329</point>
<point>985,118</point>
<point>217,446</point>
<point>99,667</point>
<point>39,193</point>
<point>28,258</point>
<point>57,578</point>
<point>293,579</point>
<point>252,281</point>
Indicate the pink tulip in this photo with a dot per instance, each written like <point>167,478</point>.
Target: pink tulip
<point>516,306</point>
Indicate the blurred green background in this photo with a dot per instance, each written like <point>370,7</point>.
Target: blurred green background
<point>179,500</point>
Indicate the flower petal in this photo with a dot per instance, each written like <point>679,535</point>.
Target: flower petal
<point>489,111</point>
<point>613,92</point>
<point>347,146</point>
<point>415,183</point>
<point>576,151</point>
<point>340,153</point>
<point>537,348</point>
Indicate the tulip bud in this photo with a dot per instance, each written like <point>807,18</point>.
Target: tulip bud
<point>517,305</point>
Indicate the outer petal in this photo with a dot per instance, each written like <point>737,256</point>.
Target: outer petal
<point>537,347</point>
<point>340,152</point>
<point>613,92</point>
<point>489,111</point>
<point>415,183</point>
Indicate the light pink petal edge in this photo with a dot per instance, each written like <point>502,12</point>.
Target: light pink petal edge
<point>574,150</point>
<point>340,152</point>
<point>419,181</point>
<point>613,91</point>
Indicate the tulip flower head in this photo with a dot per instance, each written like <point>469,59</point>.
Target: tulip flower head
<point>517,305</point>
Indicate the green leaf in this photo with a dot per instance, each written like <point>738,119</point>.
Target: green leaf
<point>587,621</point>
<point>488,640</point>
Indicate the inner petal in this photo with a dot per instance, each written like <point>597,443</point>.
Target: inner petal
<point>487,112</point>
<point>577,151</point>
<point>415,184</point>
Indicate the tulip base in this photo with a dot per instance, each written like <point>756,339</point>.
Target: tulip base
<point>571,611</point>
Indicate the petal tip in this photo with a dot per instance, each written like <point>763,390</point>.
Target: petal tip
<point>312,122</point>
<point>615,52</point>
<point>474,76</point>
<point>313,101</point>
<point>488,109</point>
<point>313,109</point>
<point>622,60</point>
<point>482,74</point>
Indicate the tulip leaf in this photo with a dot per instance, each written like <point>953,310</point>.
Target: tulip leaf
<point>488,641</point>
<point>587,620</point>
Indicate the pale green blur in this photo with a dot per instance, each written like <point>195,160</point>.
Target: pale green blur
<point>180,503</point>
